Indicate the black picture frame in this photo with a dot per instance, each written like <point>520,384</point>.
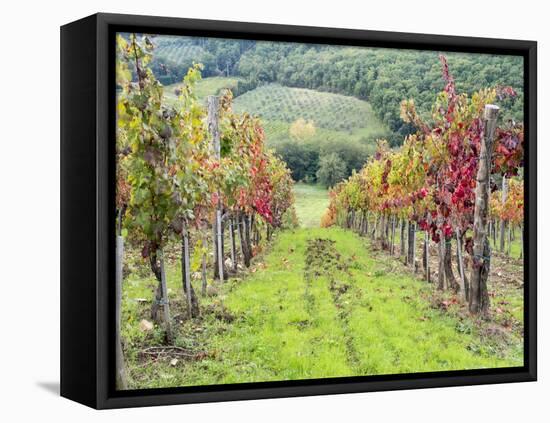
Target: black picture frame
<point>87,210</point>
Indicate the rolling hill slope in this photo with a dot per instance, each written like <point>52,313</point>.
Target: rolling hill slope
<point>178,52</point>
<point>274,102</point>
<point>205,87</point>
<point>337,118</point>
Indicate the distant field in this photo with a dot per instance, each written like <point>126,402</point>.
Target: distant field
<point>274,102</point>
<point>177,51</point>
<point>311,203</point>
<point>337,118</point>
<point>205,87</point>
<point>278,132</point>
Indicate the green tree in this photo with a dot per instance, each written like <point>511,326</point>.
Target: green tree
<point>301,158</point>
<point>352,153</point>
<point>332,170</point>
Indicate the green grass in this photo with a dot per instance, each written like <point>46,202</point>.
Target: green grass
<point>515,247</point>
<point>311,202</point>
<point>285,328</point>
<point>204,88</point>
<point>278,132</point>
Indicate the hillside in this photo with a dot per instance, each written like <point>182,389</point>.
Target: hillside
<point>204,88</point>
<point>334,115</point>
<point>177,51</point>
<point>336,123</point>
<point>274,102</point>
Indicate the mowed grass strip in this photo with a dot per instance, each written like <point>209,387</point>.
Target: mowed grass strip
<point>289,328</point>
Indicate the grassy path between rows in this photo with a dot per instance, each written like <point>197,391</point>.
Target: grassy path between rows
<point>311,201</point>
<point>315,309</point>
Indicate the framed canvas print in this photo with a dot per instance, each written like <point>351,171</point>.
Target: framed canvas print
<point>256,211</point>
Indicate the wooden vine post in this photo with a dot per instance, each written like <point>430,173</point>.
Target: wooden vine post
<point>232,244</point>
<point>502,221</point>
<point>120,366</point>
<point>411,241</point>
<point>441,262</point>
<point>413,252</point>
<point>203,262</point>
<point>213,128</point>
<point>402,241</point>
<point>463,283</point>
<point>479,296</point>
<point>392,245</point>
<point>164,296</point>
<point>187,271</point>
<point>427,255</point>
<point>241,230</point>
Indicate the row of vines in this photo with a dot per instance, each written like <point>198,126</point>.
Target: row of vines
<point>444,181</point>
<point>188,173</point>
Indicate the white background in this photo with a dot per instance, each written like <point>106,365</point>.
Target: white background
<point>29,195</point>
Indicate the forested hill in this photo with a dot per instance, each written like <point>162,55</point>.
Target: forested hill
<point>384,77</point>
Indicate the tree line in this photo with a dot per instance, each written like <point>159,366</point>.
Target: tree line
<point>379,75</point>
<point>326,163</point>
<point>382,76</point>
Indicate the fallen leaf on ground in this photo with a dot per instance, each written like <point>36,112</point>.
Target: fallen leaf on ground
<point>146,325</point>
